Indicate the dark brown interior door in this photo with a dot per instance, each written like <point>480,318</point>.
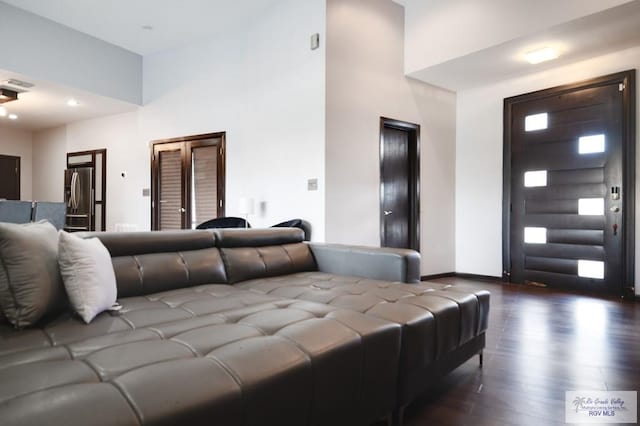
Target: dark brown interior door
<point>399,203</point>
<point>9,177</point>
<point>568,195</point>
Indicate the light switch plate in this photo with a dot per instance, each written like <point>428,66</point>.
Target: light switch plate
<point>146,192</point>
<point>312,185</point>
<point>315,41</point>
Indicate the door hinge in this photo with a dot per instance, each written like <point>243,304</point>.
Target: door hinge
<point>16,170</point>
<point>221,151</point>
<point>220,203</point>
<point>621,87</point>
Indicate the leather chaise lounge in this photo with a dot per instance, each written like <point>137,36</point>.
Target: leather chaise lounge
<point>243,327</point>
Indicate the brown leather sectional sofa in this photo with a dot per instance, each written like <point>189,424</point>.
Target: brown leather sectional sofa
<point>243,327</point>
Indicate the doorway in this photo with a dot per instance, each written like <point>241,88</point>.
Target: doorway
<point>399,184</point>
<point>9,177</point>
<point>187,181</point>
<point>569,170</point>
<point>90,192</point>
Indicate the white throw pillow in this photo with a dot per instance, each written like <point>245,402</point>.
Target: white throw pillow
<point>87,273</point>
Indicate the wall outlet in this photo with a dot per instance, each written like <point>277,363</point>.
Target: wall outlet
<point>312,184</point>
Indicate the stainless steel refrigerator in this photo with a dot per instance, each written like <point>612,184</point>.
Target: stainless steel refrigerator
<point>78,194</point>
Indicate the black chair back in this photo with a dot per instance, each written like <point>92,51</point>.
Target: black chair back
<point>297,223</point>
<point>224,222</point>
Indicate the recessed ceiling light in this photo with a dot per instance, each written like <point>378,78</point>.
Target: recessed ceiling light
<point>147,27</point>
<point>13,117</point>
<point>73,102</point>
<point>3,112</point>
<point>541,55</point>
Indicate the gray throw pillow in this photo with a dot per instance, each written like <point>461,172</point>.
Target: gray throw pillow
<point>30,282</point>
<point>87,273</point>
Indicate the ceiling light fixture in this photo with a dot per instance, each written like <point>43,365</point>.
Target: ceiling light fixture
<point>73,102</point>
<point>541,55</point>
<point>13,117</point>
<point>147,27</point>
<point>3,112</point>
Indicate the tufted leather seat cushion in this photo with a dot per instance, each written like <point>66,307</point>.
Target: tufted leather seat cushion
<point>217,353</point>
<point>436,319</point>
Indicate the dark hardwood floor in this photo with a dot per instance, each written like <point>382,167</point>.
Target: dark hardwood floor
<point>540,343</point>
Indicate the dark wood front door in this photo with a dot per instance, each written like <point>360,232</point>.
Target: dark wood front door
<point>399,184</point>
<point>569,178</point>
<point>9,177</point>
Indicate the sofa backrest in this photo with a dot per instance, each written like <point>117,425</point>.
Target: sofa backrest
<point>258,253</point>
<point>150,262</point>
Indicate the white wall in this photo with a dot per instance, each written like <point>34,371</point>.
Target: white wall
<point>261,84</point>
<point>479,158</point>
<point>441,30</point>
<point>18,143</point>
<point>49,162</point>
<point>265,88</point>
<point>365,81</point>
<point>119,134</point>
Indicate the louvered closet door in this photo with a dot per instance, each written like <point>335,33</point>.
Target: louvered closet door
<point>566,190</point>
<point>205,187</point>
<point>170,209</point>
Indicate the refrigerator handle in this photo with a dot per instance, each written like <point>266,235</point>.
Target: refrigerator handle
<point>74,190</point>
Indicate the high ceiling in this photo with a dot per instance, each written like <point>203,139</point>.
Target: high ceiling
<point>120,22</point>
<point>177,23</point>
<point>611,30</point>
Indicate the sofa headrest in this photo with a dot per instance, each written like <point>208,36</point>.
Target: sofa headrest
<point>228,238</point>
<point>137,243</point>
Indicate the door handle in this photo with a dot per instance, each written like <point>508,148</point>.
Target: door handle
<point>387,212</point>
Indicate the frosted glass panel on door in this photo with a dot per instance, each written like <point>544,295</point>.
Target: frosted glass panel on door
<point>80,159</point>
<point>536,122</point>
<point>591,269</point>
<point>591,206</point>
<point>98,177</point>
<point>535,178</point>
<point>591,144</point>
<point>534,235</point>
<point>98,217</point>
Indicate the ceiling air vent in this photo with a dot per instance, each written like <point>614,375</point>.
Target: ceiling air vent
<point>18,83</point>
<point>7,95</point>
